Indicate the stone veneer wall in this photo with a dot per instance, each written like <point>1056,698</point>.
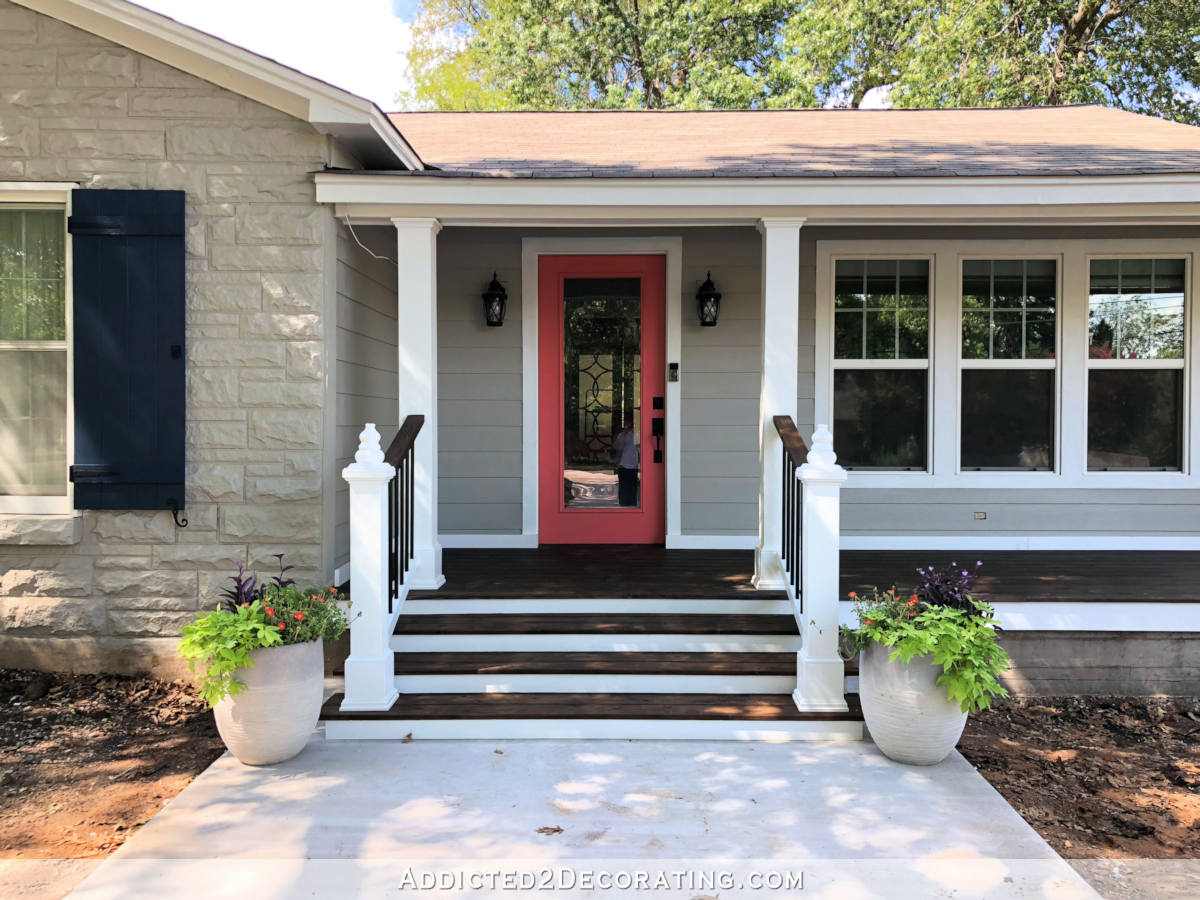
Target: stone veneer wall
<point>109,590</point>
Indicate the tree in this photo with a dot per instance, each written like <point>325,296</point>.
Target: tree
<point>1141,55</point>
<point>603,54</point>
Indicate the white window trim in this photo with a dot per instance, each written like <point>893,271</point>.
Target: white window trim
<point>925,364</point>
<point>1187,416</point>
<point>58,195</point>
<point>1073,257</point>
<point>1013,364</point>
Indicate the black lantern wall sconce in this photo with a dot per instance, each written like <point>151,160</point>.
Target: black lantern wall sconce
<point>708,302</point>
<point>495,302</point>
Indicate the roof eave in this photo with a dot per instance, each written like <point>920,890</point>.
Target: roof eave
<point>371,137</point>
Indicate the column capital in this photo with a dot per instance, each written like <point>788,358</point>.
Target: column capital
<point>432,224</point>
<point>796,222</point>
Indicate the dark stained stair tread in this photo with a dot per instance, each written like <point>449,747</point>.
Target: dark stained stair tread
<point>726,707</point>
<point>615,663</point>
<point>589,571</point>
<point>596,623</point>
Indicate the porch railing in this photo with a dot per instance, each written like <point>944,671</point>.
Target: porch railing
<point>399,455</point>
<point>795,454</point>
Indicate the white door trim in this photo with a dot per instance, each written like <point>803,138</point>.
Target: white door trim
<point>531,249</point>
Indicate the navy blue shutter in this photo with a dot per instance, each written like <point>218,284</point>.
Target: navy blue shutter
<point>128,266</point>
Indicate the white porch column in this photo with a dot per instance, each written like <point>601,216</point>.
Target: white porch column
<point>780,362</point>
<point>416,260</point>
<point>820,674</point>
<point>370,680</point>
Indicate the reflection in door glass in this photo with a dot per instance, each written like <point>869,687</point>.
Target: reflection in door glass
<point>602,374</point>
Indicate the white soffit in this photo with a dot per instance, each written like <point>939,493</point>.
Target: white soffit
<point>1161,199</point>
<point>358,123</point>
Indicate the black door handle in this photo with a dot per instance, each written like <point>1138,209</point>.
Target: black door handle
<point>656,431</point>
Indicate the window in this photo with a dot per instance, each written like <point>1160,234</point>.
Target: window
<point>33,353</point>
<point>881,363</point>
<point>1135,363</point>
<point>1009,312</point>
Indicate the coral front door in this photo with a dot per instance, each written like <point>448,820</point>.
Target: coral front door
<point>601,361</point>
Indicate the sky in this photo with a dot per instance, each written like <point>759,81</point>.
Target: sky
<point>358,45</point>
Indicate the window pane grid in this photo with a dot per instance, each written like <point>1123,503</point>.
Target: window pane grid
<point>1025,311</point>
<point>1136,309</point>
<point>881,309</point>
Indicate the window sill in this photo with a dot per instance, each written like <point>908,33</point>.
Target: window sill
<point>41,530</point>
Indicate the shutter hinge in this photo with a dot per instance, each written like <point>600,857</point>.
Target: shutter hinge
<point>93,470</point>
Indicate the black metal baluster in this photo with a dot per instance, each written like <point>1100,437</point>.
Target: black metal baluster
<point>798,537</point>
<point>411,505</point>
<point>391,543</point>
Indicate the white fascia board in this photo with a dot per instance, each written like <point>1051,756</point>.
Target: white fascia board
<point>822,200</point>
<point>329,109</point>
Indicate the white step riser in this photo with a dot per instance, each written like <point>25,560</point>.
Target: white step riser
<point>592,729</point>
<point>598,643</point>
<point>587,605</point>
<point>595,684</point>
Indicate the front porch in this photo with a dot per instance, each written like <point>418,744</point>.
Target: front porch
<point>1012,576</point>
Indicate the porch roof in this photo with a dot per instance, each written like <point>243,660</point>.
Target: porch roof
<point>1055,141</point>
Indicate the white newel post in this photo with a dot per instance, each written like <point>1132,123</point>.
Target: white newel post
<point>370,675</point>
<point>416,261</point>
<point>820,673</point>
<point>780,365</point>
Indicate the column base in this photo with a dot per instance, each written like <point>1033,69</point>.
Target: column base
<point>425,572</point>
<point>768,571</point>
<point>820,685</point>
<point>370,684</point>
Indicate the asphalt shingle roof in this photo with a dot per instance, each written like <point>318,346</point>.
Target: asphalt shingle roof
<point>1072,140</point>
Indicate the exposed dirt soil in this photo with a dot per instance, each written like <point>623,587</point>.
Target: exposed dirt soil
<point>1097,776</point>
<point>86,759</point>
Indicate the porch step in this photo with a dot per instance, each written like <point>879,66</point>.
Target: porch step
<point>596,632</point>
<point>576,672</point>
<point>597,623</point>
<point>491,606</point>
<point>748,717</point>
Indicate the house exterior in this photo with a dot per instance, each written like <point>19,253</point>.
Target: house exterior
<point>216,270</point>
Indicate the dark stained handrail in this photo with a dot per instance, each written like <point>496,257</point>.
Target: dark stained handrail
<point>791,543</point>
<point>400,504</point>
<point>404,440</point>
<point>793,443</point>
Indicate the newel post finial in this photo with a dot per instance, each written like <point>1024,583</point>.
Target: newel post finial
<point>822,453</point>
<point>369,450</point>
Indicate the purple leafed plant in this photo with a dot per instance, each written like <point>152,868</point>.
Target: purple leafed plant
<point>245,590</point>
<point>950,587</point>
<point>279,580</point>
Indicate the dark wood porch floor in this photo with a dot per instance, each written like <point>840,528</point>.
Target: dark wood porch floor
<point>640,571</point>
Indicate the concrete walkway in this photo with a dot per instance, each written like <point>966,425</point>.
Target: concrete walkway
<point>695,820</point>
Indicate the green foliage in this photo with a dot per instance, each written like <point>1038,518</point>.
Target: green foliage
<point>218,643</point>
<point>962,641</point>
<point>594,54</point>
<point>1140,55</point>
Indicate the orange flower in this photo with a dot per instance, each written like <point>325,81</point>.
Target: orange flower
<point>282,626</point>
<point>891,591</point>
<point>912,601</point>
<point>868,622</point>
<point>298,616</point>
<point>912,598</point>
<point>852,595</point>
<point>269,611</point>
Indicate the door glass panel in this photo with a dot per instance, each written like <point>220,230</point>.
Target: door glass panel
<point>602,392</point>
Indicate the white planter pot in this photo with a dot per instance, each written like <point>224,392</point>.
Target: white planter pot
<point>906,710</point>
<point>272,719</point>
